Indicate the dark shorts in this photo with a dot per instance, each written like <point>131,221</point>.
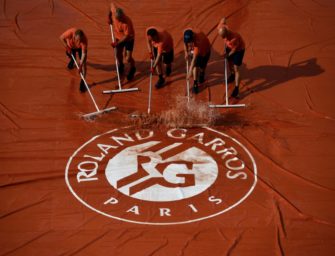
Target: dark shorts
<point>74,52</point>
<point>237,57</point>
<point>129,45</point>
<point>167,57</point>
<point>201,61</point>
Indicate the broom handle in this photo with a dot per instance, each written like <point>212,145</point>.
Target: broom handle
<point>150,86</point>
<point>187,82</point>
<point>83,78</point>
<point>225,75</point>
<point>116,61</point>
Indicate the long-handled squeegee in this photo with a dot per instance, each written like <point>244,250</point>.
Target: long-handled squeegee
<point>117,71</point>
<point>227,105</point>
<point>89,91</point>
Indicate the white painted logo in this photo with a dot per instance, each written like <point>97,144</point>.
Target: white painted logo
<point>161,177</point>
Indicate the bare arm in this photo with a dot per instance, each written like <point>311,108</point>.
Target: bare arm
<point>83,57</point>
<point>192,65</point>
<point>186,51</point>
<point>234,43</point>
<point>63,40</point>
<point>158,57</point>
<point>149,45</point>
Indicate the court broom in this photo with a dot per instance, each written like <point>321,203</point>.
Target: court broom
<point>187,82</point>
<point>117,71</point>
<point>227,105</point>
<point>98,112</point>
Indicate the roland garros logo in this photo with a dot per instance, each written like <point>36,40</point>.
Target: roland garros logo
<point>161,177</point>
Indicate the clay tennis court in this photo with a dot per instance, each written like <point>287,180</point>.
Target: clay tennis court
<point>186,179</point>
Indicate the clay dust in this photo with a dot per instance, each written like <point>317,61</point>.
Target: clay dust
<point>182,113</point>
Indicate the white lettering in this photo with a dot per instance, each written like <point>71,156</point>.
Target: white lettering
<point>235,168</point>
<point>87,174</point>
<point>216,142</point>
<point>164,212</point>
<point>181,135</point>
<point>112,200</point>
<point>199,137</point>
<point>104,148</point>
<point>119,139</point>
<point>135,210</point>
<point>236,175</point>
<point>139,136</point>
<point>193,208</point>
<point>227,152</point>
<point>215,200</point>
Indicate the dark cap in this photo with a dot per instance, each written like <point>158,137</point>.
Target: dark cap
<point>188,36</point>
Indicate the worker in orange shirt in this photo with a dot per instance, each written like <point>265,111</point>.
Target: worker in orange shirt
<point>198,47</point>
<point>75,41</point>
<point>124,39</point>
<point>235,48</point>
<point>160,47</point>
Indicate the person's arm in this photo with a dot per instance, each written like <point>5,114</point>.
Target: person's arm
<point>158,57</point>
<point>83,57</point>
<point>126,36</point>
<point>110,17</point>
<point>186,52</point>
<point>63,38</point>
<point>82,62</point>
<point>149,46</point>
<point>195,55</point>
<point>233,46</point>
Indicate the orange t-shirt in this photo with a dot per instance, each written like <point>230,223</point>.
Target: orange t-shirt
<point>234,41</point>
<point>201,45</point>
<point>69,34</point>
<point>165,41</point>
<point>123,28</point>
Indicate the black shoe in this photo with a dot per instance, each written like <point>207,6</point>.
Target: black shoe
<point>70,65</point>
<point>235,92</point>
<point>195,88</point>
<point>231,78</point>
<point>82,86</point>
<point>131,73</point>
<point>168,71</point>
<point>160,83</point>
<point>121,69</point>
<point>202,77</point>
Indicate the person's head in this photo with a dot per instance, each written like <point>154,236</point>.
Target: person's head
<point>188,37</point>
<point>152,34</point>
<point>78,35</point>
<point>119,14</point>
<point>223,32</point>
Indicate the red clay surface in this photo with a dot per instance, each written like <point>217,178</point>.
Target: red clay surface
<point>288,126</point>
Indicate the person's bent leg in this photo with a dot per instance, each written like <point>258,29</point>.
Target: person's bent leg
<point>129,45</point>
<point>237,81</point>
<point>82,84</point>
<point>203,66</point>
<point>195,88</point>
<point>231,77</point>
<point>161,81</point>
<point>132,68</point>
<point>70,65</point>
<point>237,59</point>
<point>119,56</point>
<point>83,71</point>
<point>168,59</point>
